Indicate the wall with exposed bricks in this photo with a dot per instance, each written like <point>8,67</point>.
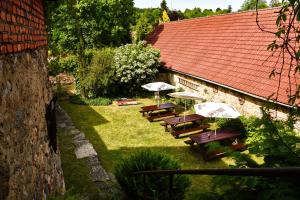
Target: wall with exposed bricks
<point>22,25</point>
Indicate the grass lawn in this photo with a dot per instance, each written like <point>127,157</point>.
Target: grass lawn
<point>115,132</point>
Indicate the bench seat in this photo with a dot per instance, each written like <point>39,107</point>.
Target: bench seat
<point>190,130</point>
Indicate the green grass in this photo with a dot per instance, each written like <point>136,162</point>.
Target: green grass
<point>76,173</point>
<point>116,132</point>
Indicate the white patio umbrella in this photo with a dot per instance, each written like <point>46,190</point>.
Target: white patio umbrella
<point>158,86</point>
<point>216,110</point>
<point>185,96</point>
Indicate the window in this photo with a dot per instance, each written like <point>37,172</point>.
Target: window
<point>188,84</point>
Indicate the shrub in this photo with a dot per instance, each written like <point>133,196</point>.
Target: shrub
<point>98,79</point>
<point>157,186</point>
<point>67,64</point>
<point>135,65</point>
<point>100,101</point>
<point>275,142</point>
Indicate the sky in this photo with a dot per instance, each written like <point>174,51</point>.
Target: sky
<point>183,4</point>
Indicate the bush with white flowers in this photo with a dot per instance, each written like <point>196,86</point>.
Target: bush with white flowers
<point>135,64</point>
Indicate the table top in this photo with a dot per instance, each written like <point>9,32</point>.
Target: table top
<point>181,119</point>
<point>160,107</point>
<point>210,136</point>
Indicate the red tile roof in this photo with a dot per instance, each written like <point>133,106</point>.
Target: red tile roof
<point>227,49</point>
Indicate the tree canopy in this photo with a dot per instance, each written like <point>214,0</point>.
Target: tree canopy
<point>198,12</point>
<point>251,4</point>
<point>275,3</point>
<point>91,23</point>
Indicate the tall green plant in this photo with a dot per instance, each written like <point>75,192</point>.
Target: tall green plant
<point>98,77</point>
<point>156,186</point>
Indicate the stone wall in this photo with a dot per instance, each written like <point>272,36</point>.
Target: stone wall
<point>30,169</point>
<point>246,105</point>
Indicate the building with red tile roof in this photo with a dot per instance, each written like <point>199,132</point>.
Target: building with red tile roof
<point>226,52</point>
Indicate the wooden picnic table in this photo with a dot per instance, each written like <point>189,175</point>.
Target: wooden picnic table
<point>210,136</point>
<point>175,121</point>
<point>155,112</point>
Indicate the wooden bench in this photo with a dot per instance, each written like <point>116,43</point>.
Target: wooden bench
<point>218,154</point>
<point>176,133</point>
<point>159,116</point>
<point>149,109</point>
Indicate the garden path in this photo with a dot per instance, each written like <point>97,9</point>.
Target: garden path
<point>106,182</point>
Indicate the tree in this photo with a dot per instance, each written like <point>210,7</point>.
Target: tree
<point>88,23</point>
<point>196,12</point>
<point>286,44</point>
<point>142,28</point>
<point>165,16</point>
<point>251,4</point>
<point>175,15</point>
<point>274,3</point>
<point>98,77</point>
<point>229,8</point>
<point>163,6</point>
<point>207,12</point>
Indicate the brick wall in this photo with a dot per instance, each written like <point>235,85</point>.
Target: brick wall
<point>22,25</point>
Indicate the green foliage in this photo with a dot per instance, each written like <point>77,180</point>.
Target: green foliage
<point>275,3</point>
<point>117,72</point>
<point>157,186</point>
<point>97,79</point>
<point>86,24</point>
<point>165,16</point>
<point>275,142</point>
<point>197,12</point>
<point>163,6</point>
<point>134,66</point>
<point>251,4</point>
<point>142,28</point>
<point>238,124</point>
<point>175,15</point>
<point>100,101</point>
<point>60,64</point>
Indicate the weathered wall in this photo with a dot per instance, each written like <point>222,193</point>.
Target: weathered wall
<point>33,168</point>
<point>246,105</point>
<point>29,168</point>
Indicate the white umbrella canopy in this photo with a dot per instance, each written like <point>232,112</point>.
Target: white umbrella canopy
<point>216,110</point>
<point>158,86</point>
<point>185,95</point>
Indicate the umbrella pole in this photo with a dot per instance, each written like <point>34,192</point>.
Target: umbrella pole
<point>184,110</point>
<point>158,99</point>
<point>215,128</point>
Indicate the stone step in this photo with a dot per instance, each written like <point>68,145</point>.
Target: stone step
<point>85,151</point>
